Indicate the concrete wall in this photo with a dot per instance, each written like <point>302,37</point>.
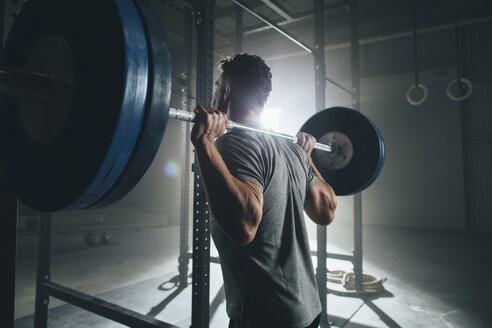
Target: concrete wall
<point>437,173</point>
<point>422,183</point>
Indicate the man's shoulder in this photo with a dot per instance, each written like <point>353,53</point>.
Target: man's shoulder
<point>237,138</point>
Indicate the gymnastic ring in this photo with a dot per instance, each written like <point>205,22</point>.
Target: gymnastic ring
<point>421,86</point>
<point>465,81</point>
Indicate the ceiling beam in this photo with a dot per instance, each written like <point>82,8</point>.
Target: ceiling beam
<point>278,8</point>
<point>295,18</point>
<point>273,25</point>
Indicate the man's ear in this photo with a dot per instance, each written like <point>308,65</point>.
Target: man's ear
<point>228,93</point>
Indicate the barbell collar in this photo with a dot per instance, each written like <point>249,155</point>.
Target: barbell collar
<point>186,116</point>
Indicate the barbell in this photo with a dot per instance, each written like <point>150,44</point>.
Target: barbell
<point>86,91</point>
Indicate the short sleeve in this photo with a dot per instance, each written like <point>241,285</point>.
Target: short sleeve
<point>311,177</point>
<point>242,158</point>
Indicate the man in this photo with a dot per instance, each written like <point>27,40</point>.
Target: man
<point>257,187</point>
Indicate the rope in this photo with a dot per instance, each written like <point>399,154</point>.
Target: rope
<point>460,80</point>
<point>415,49</point>
<point>417,83</point>
<point>457,44</point>
<point>370,284</point>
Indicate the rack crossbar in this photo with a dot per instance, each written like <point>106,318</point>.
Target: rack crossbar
<point>98,306</point>
<point>343,257</point>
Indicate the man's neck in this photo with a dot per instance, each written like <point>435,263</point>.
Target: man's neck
<point>244,116</point>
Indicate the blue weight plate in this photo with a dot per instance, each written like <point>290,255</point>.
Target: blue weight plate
<point>382,158</point>
<point>368,148</point>
<point>82,161</point>
<point>157,110</point>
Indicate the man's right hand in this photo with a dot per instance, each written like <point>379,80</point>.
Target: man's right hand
<point>306,141</point>
<point>210,125</point>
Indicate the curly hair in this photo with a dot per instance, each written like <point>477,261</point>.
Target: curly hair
<point>250,77</point>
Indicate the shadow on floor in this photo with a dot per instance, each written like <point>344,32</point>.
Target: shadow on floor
<point>173,283</point>
<point>155,310</point>
<point>382,315</point>
<point>369,301</point>
<point>218,299</point>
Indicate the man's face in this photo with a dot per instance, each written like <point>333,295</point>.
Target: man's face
<point>218,101</point>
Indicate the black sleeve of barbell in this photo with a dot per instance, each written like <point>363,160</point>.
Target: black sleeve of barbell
<point>186,116</point>
<point>25,85</point>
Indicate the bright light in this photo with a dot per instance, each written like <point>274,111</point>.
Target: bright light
<point>270,117</point>
<point>171,169</point>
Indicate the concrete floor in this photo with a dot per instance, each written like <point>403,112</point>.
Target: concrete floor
<point>434,279</point>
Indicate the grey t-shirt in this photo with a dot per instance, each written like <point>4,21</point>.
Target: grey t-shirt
<point>270,281</point>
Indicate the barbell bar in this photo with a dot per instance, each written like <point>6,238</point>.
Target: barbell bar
<point>186,116</point>
<point>39,87</point>
<point>85,127</point>
<point>36,86</point>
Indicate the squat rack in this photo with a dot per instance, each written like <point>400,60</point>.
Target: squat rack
<point>45,288</point>
<point>201,223</point>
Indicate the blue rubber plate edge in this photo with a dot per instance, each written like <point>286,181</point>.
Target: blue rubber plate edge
<point>132,108</point>
<point>382,159</point>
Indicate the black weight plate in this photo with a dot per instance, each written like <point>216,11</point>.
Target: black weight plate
<point>77,167</point>
<point>368,148</point>
<point>157,108</point>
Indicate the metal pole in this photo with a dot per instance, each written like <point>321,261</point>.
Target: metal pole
<point>201,217</point>
<point>43,273</point>
<point>183,259</point>
<point>355,65</point>
<point>105,309</point>
<point>320,96</point>
<point>238,31</point>
<point>8,242</point>
<point>24,84</point>
<point>2,22</point>
<point>470,223</point>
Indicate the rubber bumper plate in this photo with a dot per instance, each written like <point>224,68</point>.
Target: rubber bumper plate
<point>75,163</point>
<point>368,151</point>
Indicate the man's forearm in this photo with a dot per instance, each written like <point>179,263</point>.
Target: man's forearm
<point>321,200</point>
<point>234,205</point>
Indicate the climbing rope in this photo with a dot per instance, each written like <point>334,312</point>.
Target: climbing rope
<point>370,284</point>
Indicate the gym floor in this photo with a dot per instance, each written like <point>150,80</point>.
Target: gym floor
<point>434,279</point>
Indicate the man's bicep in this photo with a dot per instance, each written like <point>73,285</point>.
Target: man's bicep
<point>310,201</point>
<point>256,191</point>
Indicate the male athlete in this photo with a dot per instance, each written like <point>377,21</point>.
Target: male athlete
<point>257,187</point>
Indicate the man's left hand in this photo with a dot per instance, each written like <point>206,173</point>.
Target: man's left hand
<point>306,141</point>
